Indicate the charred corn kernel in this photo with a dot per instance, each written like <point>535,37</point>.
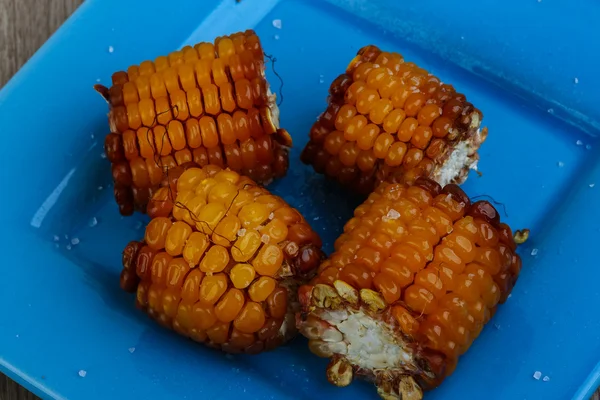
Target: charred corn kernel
<point>404,124</point>
<point>433,286</point>
<point>200,104</point>
<point>220,261</point>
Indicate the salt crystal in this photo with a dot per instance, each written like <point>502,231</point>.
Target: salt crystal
<point>588,146</point>
<point>321,80</point>
<point>579,143</point>
<point>551,111</point>
<point>534,252</point>
<point>92,136</point>
<point>393,214</point>
<point>102,155</point>
<point>575,80</point>
<point>537,375</point>
<point>271,216</point>
<point>561,164</point>
<point>241,232</point>
<point>546,378</point>
<point>509,296</point>
<point>82,373</point>
<point>315,218</point>
<point>75,241</point>
<point>265,238</point>
<point>100,188</point>
<point>277,23</point>
<point>93,222</point>
<point>111,49</point>
<point>131,349</point>
<point>462,38</point>
<point>68,247</point>
<point>97,79</point>
<point>17,336</point>
<point>276,37</point>
<point>592,185</point>
<point>56,238</point>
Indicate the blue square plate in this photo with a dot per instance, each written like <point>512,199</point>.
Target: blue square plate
<point>531,66</point>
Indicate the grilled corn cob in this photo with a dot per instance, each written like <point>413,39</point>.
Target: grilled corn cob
<point>221,263</point>
<point>209,104</point>
<point>389,120</point>
<point>415,276</point>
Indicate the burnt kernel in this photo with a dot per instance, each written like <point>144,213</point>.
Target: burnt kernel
<point>457,194</point>
<point>430,185</point>
<point>485,210</point>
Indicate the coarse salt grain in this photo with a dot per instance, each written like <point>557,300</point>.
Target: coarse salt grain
<point>102,155</point>
<point>241,232</point>
<point>561,164</point>
<point>315,218</point>
<point>68,247</point>
<point>551,111</point>
<point>579,143</point>
<point>592,185</point>
<point>534,252</point>
<point>393,214</point>
<point>537,375</point>
<point>100,187</point>
<point>576,80</point>
<point>56,238</point>
<point>277,23</point>
<point>276,37</point>
<point>93,222</point>
<point>265,238</point>
<point>546,378</point>
<point>82,373</point>
<point>111,49</point>
<point>131,349</point>
<point>75,241</point>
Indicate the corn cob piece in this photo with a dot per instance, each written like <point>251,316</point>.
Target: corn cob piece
<point>389,120</point>
<point>210,104</point>
<point>415,276</point>
<point>222,263</point>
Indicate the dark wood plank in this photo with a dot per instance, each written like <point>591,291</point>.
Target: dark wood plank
<point>24,26</point>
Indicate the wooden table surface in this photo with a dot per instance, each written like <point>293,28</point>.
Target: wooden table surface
<point>24,27</point>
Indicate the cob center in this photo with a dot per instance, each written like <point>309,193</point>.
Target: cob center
<point>365,341</point>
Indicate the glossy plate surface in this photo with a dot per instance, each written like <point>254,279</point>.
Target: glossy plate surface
<point>63,311</point>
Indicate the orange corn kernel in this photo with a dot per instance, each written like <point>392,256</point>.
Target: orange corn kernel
<point>250,319</point>
<point>230,305</point>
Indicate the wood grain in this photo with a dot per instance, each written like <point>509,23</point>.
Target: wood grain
<point>24,26</point>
